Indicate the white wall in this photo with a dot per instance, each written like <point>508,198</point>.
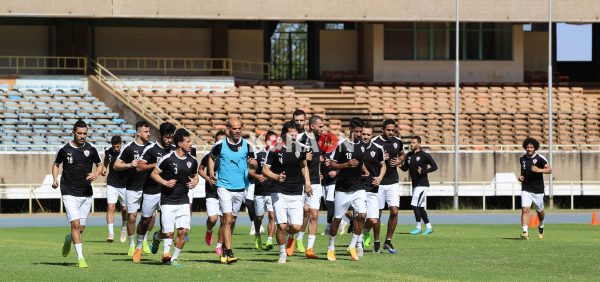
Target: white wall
<point>24,40</point>
<point>443,71</point>
<point>153,42</point>
<point>246,44</point>
<point>338,50</point>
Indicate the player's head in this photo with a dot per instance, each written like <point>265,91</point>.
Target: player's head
<point>270,139</point>
<point>316,124</point>
<point>80,131</point>
<point>220,135</point>
<point>142,129</point>
<point>367,132</point>
<point>356,126</point>
<point>289,131</point>
<point>415,143</point>
<point>234,127</point>
<point>166,131</point>
<point>531,145</point>
<point>116,143</point>
<point>389,128</point>
<point>299,117</point>
<point>183,140</point>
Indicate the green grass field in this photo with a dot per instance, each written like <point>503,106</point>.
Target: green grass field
<point>452,253</point>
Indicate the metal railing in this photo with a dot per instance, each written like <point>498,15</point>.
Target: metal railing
<point>254,69</point>
<point>19,63</point>
<point>167,65</point>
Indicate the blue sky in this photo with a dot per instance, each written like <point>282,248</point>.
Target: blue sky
<point>573,42</point>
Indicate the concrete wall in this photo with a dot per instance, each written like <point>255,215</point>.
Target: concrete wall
<point>338,10</point>
<point>246,45</point>
<point>536,51</point>
<point>443,71</point>
<point>338,50</point>
<point>24,40</point>
<point>152,42</point>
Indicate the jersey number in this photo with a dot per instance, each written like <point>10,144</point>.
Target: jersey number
<point>349,156</point>
<point>175,167</point>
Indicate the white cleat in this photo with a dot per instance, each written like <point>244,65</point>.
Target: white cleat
<point>282,258</point>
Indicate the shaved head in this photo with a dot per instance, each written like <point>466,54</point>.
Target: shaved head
<point>234,126</point>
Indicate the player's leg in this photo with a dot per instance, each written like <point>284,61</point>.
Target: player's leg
<point>212,212</point>
<point>124,214</point>
<point>342,203</point>
<point>372,217</point>
<point>149,206</point>
<point>249,202</point>
<point>295,214</point>
<point>393,201</point>
<point>314,204</point>
<point>259,210</point>
<point>112,196</point>
<point>305,219</point>
<point>539,204</point>
<point>182,223</point>
<point>381,196</point>
<point>526,201</point>
<point>280,210</point>
<point>167,220</point>
<point>272,224</point>
<point>328,192</point>
<point>358,204</point>
<point>414,203</point>
<point>134,199</point>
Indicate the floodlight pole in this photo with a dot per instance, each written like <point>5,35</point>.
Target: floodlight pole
<point>550,126</point>
<point>456,108</point>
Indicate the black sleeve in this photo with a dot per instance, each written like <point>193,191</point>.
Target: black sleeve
<point>162,165</point>
<point>126,155</point>
<point>149,157</point>
<point>541,162</point>
<point>106,156</point>
<point>432,163</point>
<point>194,168</point>
<point>193,152</point>
<point>337,155</point>
<point>59,157</point>
<point>521,166</point>
<point>204,161</point>
<point>251,151</point>
<point>215,152</point>
<point>270,158</point>
<point>95,156</point>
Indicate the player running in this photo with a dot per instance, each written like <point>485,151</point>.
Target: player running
<point>533,168</point>
<point>77,158</point>
<point>262,195</point>
<point>115,190</point>
<point>419,164</point>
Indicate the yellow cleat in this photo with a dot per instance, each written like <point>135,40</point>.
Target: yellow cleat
<point>331,255</point>
<point>353,254</point>
<point>525,235</point>
<point>137,256</point>
<point>541,236</point>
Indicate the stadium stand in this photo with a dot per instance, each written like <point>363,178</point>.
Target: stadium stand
<point>37,116</point>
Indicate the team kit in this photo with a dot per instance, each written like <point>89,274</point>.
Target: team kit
<point>356,177</point>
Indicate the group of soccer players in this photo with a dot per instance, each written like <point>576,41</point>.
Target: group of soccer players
<point>288,179</point>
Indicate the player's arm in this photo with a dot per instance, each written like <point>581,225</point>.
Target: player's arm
<point>382,170</point>
<point>193,181</point>
<point>99,169</point>
<point>147,161</point>
<point>522,176</point>
<point>404,166</point>
<point>545,170</point>
<point>306,173</point>
<point>155,176</point>
<point>432,165</point>
<point>55,170</point>
<point>202,171</point>
<point>120,165</point>
<point>252,163</point>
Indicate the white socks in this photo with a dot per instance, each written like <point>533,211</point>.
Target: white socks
<point>525,228</point>
<point>167,245</point>
<point>311,241</point>
<point>428,225</point>
<point>175,253</point>
<point>354,240</point>
<point>300,236</point>
<point>79,249</point>
<point>140,241</point>
<point>131,240</point>
<point>269,239</point>
<point>419,225</point>
<point>541,224</point>
<point>331,243</point>
<point>111,230</point>
<point>282,248</point>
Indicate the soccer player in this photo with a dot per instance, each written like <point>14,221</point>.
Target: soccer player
<point>115,190</point>
<point>177,172</point>
<point>151,191</point>
<point>375,164</point>
<point>77,158</point>
<point>314,157</point>
<point>212,200</point>
<point>389,189</point>
<point>349,189</point>
<point>419,164</point>
<point>299,117</point>
<point>533,168</point>
<point>235,156</point>
<point>262,195</point>
<point>328,183</point>
<point>128,161</point>
<point>287,167</point>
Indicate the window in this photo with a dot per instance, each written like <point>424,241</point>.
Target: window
<point>436,41</point>
<point>573,42</point>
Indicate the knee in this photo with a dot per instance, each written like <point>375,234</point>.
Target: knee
<point>294,228</point>
<point>394,211</point>
<point>361,217</point>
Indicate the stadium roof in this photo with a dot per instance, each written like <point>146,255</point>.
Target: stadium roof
<point>573,11</point>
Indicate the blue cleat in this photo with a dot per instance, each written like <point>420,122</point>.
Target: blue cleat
<point>428,231</point>
<point>415,231</point>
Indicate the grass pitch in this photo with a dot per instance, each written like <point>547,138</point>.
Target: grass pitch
<point>451,253</point>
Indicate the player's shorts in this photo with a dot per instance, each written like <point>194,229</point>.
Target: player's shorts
<point>77,208</point>
<point>150,204</point>
<point>329,192</point>
<point>174,217</point>
<point>116,194</point>
<point>250,192</point>
<point>372,205</point>
<point>389,194</point>
<point>419,195</point>
<point>191,196</point>
<point>134,200</point>
<point>314,201</point>
<point>288,208</point>
<point>536,198</point>
<point>212,207</point>
<point>344,200</point>
<point>230,201</point>
<point>262,204</point>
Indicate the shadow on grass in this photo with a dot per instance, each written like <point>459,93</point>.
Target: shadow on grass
<point>201,252</point>
<point>97,241</point>
<point>513,238</point>
<point>114,254</point>
<point>213,261</point>
<point>69,264</point>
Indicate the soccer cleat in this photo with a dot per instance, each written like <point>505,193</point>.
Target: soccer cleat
<point>208,238</point>
<point>269,245</point>
<point>252,230</point>
<point>343,227</point>
<point>282,257</point>
<point>415,231</point>
<point>166,258</point>
<point>258,242</point>
<point>331,255</point>
<point>146,247</point>
<point>262,229</point>
<point>367,239</point>
<point>175,263</point>
<point>231,259</point>
<point>219,250</point>
<point>123,235</point>
<point>310,254</point>
<point>525,235</point>
<point>223,258</point>
<point>300,246</point>
<point>390,248</point>
<point>131,251</point>
<point>360,252</point>
<point>155,243</point>
<point>137,256</point>
<point>110,238</point>
<point>66,246</point>
<point>353,254</point>
<point>81,263</point>
<point>541,236</point>
<point>289,248</point>
<point>428,231</point>
<point>377,248</point>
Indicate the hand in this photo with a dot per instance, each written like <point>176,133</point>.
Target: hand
<point>170,183</point>
<point>133,163</point>
<point>521,178</point>
<point>281,177</point>
<point>192,183</point>
<point>55,184</point>
<point>386,156</point>
<point>213,180</point>
<point>261,178</point>
<point>309,156</point>
<point>308,189</point>
<point>105,172</point>
<point>365,173</point>
<point>353,163</point>
<point>536,169</point>
<point>91,176</point>
<point>419,170</point>
<point>377,181</point>
<point>394,162</point>
<point>333,174</point>
<point>327,162</point>
<point>321,158</point>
